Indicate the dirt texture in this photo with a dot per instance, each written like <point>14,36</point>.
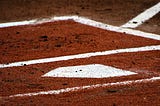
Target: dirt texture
<point>61,38</point>
<point>135,95</point>
<point>114,12</point>
<point>65,38</point>
<point>28,78</point>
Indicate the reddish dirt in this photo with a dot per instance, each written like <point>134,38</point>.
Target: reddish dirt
<point>114,12</point>
<point>135,95</point>
<point>61,38</point>
<point>66,38</point>
<point>28,78</point>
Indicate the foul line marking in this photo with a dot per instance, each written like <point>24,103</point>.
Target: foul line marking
<point>85,21</point>
<point>144,16</point>
<point>79,56</point>
<point>74,89</point>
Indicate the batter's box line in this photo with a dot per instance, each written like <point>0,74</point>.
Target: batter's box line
<point>85,21</point>
<point>80,56</point>
<point>142,17</point>
<point>80,88</point>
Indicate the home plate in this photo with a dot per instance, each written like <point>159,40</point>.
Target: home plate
<point>88,71</point>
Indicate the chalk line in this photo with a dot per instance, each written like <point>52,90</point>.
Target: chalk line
<point>74,89</point>
<point>144,16</point>
<point>85,21</point>
<point>79,56</point>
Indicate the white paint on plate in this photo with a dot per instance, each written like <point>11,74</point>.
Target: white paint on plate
<point>88,71</point>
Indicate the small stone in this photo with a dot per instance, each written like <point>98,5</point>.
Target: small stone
<point>68,101</point>
<point>9,80</point>
<point>135,22</point>
<point>77,13</point>
<point>44,36</point>
<point>133,62</point>
<point>114,104</point>
<point>31,72</point>
<point>82,8</point>
<point>17,32</point>
<point>58,45</point>
<point>111,90</point>
<point>64,84</point>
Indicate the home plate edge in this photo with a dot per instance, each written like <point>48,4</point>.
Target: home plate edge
<point>88,71</point>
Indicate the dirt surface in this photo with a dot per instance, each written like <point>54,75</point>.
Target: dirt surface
<point>61,38</point>
<point>28,78</point>
<point>65,38</point>
<point>135,95</point>
<point>114,12</point>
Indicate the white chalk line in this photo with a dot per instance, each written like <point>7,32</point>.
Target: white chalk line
<point>144,16</point>
<point>89,22</point>
<point>74,89</point>
<point>80,56</point>
<point>85,21</point>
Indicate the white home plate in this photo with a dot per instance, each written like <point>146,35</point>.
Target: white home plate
<point>88,71</point>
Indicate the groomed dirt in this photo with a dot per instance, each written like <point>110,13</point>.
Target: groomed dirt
<point>61,38</point>
<point>65,38</point>
<point>134,95</point>
<point>68,37</point>
<point>114,12</point>
<point>28,78</point>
